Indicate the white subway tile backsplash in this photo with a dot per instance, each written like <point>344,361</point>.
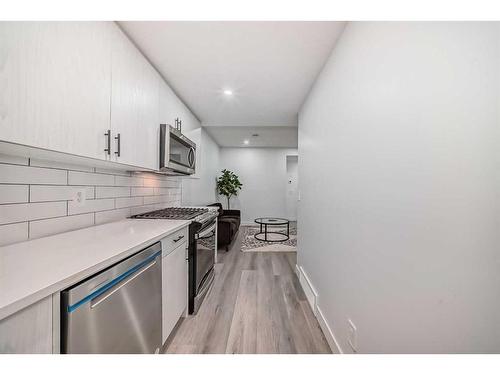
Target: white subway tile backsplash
<point>153,183</point>
<point>12,233</point>
<point>42,228</point>
<point>84,178</point>
<point>113,215</point>
<point>141,191</point>
<point>115,172</point>
<point>36,196</point>
<point>20,174</point>
<point>58,165</point>
<point>13,159</point>
<point>14,213</point>
<point>142,209</point>
<point>14,193</point>
<point>93,205</point>
<point>153,176</point>
<point>112,191</point>
<point>153,199</point>
<point>160,183</point>
<point>174,184</point>
<point>161,191</point>
<point>46,193</point>
<point>128,181</point>
<point>156,199</point>
<point>129,202</point>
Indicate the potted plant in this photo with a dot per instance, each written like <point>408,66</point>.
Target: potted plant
<point>228,185</point>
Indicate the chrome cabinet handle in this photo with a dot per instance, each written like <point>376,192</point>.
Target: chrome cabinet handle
<point>108,142</point>
<point>179,238</point>
<point>118,139</point>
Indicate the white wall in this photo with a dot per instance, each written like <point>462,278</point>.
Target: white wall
<point>400,179</point>
<point>262,172</point>
<point>200,190</point>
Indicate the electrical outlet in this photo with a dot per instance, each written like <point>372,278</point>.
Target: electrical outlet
<point>79,197</point>
<point>352,338</point>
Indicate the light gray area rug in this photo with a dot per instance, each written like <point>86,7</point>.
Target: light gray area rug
<point>251,244</point>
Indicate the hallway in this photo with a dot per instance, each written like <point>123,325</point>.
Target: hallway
<point>256,305</point>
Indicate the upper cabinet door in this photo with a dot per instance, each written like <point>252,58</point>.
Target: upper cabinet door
<point>134,105</point>
<point>171,108</point>
<point>55,85</point>
<point>169,105</point>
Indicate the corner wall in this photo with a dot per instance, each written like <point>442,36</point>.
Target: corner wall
<point>400,180</point>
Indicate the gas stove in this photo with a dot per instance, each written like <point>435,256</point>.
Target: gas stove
<point>179,213</point>
<point>201,247</point>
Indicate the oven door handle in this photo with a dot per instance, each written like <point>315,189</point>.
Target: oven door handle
<point>207,231</point>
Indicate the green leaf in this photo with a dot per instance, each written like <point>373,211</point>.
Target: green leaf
<point>228,184</point>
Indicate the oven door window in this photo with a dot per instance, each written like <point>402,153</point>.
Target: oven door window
<point>205,253</point>
<point>181,153</point>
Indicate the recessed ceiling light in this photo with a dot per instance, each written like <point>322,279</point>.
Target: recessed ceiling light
<point>228,92</point>
<point>246,141</point>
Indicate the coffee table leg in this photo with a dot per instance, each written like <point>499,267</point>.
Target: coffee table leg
<point>288,229</point>
<point>265,232</point>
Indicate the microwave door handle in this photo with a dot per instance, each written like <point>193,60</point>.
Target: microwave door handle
<point>191,157</point>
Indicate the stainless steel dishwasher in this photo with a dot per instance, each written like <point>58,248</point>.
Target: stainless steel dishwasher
<point>117,310</point>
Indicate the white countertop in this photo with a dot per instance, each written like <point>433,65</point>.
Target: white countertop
<point>33,270</point>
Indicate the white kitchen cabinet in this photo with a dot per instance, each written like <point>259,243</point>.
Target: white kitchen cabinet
<point>134,105</point>
<point>55,85</point>
<point>172,108</point>
<point>28,331</point>
<point>168,104</point>
<point>63,85</point>
<point>174,286</point>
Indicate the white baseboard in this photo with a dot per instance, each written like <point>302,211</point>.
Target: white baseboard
<point>327,331</point>
<point>311,294</point>
<point>312,298</point>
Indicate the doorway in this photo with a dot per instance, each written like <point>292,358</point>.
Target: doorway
<point>292,194</point>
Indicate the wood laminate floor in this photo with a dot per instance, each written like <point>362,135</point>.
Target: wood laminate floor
<point>256,305</point>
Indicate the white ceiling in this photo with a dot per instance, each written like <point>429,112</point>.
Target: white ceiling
<point>268,136</point>
<point>270,66</point>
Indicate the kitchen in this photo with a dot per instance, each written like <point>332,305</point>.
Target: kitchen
<point>116,186</point>
<point>95,174</point>
<point>248,184</point>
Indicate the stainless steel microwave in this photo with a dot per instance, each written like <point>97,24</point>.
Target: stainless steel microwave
<point>177,152</point>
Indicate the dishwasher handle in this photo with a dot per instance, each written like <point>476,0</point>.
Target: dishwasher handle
<point>118,282</point>
<point>108,293</point>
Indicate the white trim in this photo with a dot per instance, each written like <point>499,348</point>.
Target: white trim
<point>327,331</point>
<point>309,290</point>
<point>297,270</point>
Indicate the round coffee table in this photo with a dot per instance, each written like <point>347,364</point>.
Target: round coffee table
<point>264,222</point>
